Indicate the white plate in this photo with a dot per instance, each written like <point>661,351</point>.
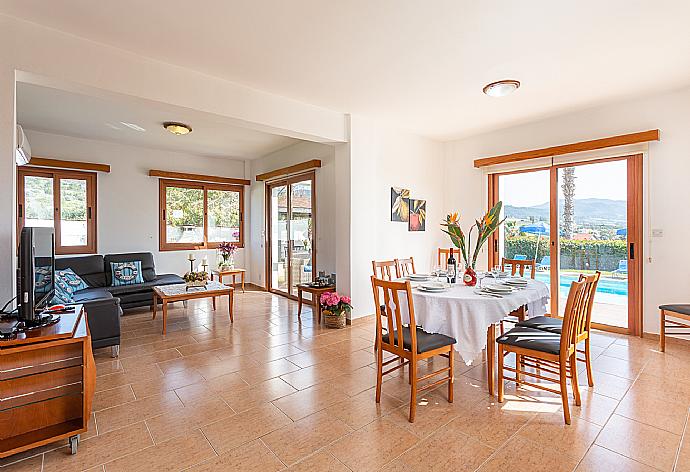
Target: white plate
<point>515,282</point>
<point>434,285</point>
<point>432,290</point>
<point>497,289</point>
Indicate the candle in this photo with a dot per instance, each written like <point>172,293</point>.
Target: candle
<point>191,256</point>
<point>204,261</point>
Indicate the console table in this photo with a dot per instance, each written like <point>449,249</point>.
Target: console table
<point>47,380</point>
<point>315,295</point>
<point>231,272</point>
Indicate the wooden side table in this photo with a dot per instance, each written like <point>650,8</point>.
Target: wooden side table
<point>232,272</point>
<point>315,295</point>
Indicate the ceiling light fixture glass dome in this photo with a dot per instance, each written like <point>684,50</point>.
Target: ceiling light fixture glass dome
<point>501,88</point>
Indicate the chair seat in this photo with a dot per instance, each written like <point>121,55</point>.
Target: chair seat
<point>682,309</point>
<point>544,323</point>
<point>534,339</point>
<point>425,341</point>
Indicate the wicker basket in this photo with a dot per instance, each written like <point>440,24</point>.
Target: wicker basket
<point>335,320</point>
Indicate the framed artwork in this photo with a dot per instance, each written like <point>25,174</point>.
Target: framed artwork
<point>400,204</point>
<point>417,219</point>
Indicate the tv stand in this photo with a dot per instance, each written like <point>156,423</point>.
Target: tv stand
<point>47,380</point>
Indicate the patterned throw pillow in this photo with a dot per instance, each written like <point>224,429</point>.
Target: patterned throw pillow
<point>66,283</point>
<point>126,273</point>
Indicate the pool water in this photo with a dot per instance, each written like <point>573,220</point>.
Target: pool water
<point>606,285</point>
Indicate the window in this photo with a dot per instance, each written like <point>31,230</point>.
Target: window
<point>197,215</point>
<point>65,200</point>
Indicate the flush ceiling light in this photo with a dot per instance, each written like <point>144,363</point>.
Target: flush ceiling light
<point>501,88</point>
<point>177,128</point>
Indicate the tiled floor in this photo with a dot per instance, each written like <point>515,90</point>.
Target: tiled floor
<point>272,393</point>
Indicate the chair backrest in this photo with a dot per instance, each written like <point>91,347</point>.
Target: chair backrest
<point>444,254</point>
<point>405,267</point>
<point>591,282</point>
<point>574,317</point>
<point>386,270</point>
<point>519,265</point>
<point>389,294</point>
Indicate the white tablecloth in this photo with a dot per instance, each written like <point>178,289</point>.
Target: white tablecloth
<point>463,314</point>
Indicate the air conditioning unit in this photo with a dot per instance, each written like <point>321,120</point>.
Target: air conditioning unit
<point>23,152</point>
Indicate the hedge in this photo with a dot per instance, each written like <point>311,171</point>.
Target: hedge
<point>602,254</point>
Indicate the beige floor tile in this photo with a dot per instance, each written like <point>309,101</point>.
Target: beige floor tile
<point>628,369</point>
<point>308,401</point>
<point>242,428</point>
<point>109,367</point>
<point>302,438</point>
<point>113,397</point>
<point>227,366</point>
<point>595,408</point>
<point>522,454</point>
<point>305,378</point>
<point>445,450</point>
<point>133,412</point>
<point>550,431</point>
<point>100,449</point>
<point>245,398</point>
<point>190,417</point>
<point>433,411</point>
<point>269,370</point>
<point>251,457</point>
<point>641,442</point>
<point>32,464</point>
<point>492,423</point>
<point>654,409</point>
<point>362,408</point>
<point>166,383</point>
<point>322,461</point>
<point>599,459</point>
<point>373,446</point>
<point>606,384</point>
<point>175,454</point>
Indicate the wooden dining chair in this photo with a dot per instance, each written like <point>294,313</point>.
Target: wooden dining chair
<point>554,324</point>
<point>444,254</point>
<point>405,267</point>
<point>386,270</point>
<point>559,350</point>
<point>408,345</point>
<point>519,265</point>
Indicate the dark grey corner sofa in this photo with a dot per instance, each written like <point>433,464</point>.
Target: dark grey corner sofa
<point>104,302</point>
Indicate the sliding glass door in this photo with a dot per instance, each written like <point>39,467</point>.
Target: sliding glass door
<point>290,249</point>
<point>574,219</point>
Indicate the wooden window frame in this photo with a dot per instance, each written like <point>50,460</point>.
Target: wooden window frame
<point>57,175</point>
<point>164,245</point>
<point>635,183</point>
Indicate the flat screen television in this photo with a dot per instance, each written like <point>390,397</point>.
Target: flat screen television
<point>36,272</point>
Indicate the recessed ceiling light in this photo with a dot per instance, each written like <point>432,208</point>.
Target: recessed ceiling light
<point>501,88</point>
<point>132,126</point>
<point>177,128</point>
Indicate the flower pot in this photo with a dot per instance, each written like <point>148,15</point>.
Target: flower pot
<point>335,319</point>
<point>196,283</point>
<point>470,277</point>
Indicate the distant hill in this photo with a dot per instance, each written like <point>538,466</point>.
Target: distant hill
<point>587,211</point>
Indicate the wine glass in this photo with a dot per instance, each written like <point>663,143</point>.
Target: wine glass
<point>480,276</point>
<point>496,270</point>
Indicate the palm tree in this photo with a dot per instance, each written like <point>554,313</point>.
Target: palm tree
<point>568,188</point>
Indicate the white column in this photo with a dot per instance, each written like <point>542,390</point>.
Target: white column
<point>8,180</point>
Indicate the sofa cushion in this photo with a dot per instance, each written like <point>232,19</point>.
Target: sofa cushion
<point>148,269</point>
<point>89,268</point>
<point>66,283</point>
<point>126,273</point>
<point>91,294</point>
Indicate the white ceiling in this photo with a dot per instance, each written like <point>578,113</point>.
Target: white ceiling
<point>415,64</point>
<point>73,114</point>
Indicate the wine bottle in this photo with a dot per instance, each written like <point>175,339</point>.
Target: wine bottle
<point>452,267</point>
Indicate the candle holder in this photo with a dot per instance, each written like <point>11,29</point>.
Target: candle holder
<point>191,260</point>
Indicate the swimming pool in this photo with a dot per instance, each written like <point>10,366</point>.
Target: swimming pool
<point>606,285</point>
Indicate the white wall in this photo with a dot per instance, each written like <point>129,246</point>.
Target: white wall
<point>325,204</point>
<point>128,198</point>
<point>381,158</point>
<point>666,274</point>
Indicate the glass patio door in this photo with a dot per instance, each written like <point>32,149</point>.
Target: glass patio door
<point>291,209</point>
<point>573,219</point>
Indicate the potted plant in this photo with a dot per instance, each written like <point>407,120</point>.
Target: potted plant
<point>226,252</point>
<point>485,228</point>
<point>195,279</point>
<point>335,309</point>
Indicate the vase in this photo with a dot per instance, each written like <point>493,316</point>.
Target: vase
<point>469,277</point>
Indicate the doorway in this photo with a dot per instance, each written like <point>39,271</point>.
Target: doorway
<point>577,218</point>
<point>291,229</point>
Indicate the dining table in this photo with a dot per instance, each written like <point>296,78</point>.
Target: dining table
<point>470,315</point>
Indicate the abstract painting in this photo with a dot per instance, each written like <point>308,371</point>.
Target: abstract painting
<point>417,220</point>
<point>400,201</point>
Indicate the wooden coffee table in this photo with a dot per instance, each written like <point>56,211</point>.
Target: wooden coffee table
<point>233,272</point>
<point>180,292</point>
<point>315,295</point>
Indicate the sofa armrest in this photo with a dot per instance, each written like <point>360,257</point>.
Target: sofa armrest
<point>103,316</point>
